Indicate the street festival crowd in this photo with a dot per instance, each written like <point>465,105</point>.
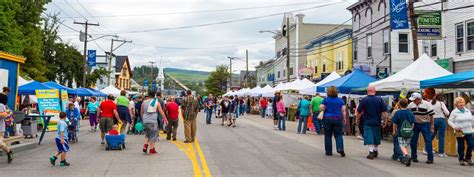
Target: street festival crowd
<point>329,116</point>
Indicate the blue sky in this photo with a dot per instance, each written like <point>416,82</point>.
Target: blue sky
<point>124,16</point>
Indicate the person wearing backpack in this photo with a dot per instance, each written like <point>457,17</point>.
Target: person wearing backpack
<point>403,123</point>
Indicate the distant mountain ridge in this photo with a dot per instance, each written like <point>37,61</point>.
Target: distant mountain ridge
<point>185,71</point>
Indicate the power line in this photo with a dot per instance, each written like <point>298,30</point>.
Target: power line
<point>204,48</point>
<point>60,22</point>
<point>205,11</point>
<point>230,21</point>
<point>105,29</point>
<point>74,9</point>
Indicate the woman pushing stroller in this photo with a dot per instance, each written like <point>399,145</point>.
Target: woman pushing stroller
<point>73,114</point>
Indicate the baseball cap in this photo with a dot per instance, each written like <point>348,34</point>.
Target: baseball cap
<point>415,96</point>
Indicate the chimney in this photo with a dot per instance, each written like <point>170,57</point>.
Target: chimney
<point>299,18</point>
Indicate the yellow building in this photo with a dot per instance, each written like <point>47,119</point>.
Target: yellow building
<point>123,73</point>
<point>330,53</point>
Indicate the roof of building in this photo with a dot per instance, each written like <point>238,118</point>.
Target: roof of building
<point>119,61</point>
<point>345,32</point>
<point>263,63</point>
<point>12,57</point>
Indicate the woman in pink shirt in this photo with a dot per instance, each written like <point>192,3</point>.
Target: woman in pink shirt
<point>281,113</point>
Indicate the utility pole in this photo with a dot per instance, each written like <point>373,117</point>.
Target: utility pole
<point>152,63</point>
<point>112,49</point>
<point>247,71</point>
<point>143,77</point>
<point>230,70</point>
<point>414,28</point>
<point>86,25</point>
<point>287,49</point>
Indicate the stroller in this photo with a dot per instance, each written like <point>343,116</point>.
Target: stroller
<point>72,131</point>
<point>115,142</point>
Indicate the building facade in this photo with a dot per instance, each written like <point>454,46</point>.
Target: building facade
<point>265,73</point>
<point>300,34</point>
<point>123,74</point>
<point>244,76</point>
<point>330,53</point>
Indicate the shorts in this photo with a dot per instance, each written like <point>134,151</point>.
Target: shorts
<point>275,115</point>
<point>106,124</point>
<point>372,135</point>
<point>62,147</point>
<point>404,142</point>
<point>124,114</point>
<point>229,116</point>
<point>151,131</point>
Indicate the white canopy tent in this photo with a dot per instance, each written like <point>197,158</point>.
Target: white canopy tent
<point>409,78</point>
<point>255,91</point>
<point>111,90</point>
<point>312,89</point>
<point>267,91</point>
<point>22,81</point>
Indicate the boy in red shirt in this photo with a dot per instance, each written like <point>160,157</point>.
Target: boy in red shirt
<point>263,106</point>
<point>172,110</point>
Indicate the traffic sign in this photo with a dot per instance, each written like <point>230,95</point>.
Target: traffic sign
<point>145,83</point>
<point>91,58</point>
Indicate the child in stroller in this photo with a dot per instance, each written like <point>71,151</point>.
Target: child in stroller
<point>114,140</point>
<point>73,116</point>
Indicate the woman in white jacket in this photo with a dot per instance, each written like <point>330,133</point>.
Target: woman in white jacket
<point>461,121</point>
<point>441,113</point>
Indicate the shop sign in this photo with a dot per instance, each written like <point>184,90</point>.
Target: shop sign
<point>382,73</point>
<point>445,63</point>
<point>429,25</point>
<point>48,103</point>
<point>367,69</point>
<point>305,71</point>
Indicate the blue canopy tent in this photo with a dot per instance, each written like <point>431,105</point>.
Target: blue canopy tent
<point>85,92</point>
<point>458,80</point>
<point>349,83</point>
<point>60,87</point>
<point>30,88</point>
<point>98,93</point>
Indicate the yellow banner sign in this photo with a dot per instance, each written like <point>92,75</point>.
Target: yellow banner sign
<point>47,94</point>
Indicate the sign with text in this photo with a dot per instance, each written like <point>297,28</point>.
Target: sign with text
<point>64,100</point>
<point>91,57</point>
<point>145,83</point>
<point>48,102</point>
<point>398,14</point>
<point>429,25</point>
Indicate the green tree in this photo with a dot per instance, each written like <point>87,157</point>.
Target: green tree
<point>11,37</point>
<point>217,80</point>
<point>28,19</point>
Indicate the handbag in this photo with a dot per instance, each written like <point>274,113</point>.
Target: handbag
<point>321,115</point>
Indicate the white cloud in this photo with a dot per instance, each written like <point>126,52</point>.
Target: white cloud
<point>143,48</point>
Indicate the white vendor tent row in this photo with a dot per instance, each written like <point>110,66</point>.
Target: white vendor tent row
<point>22,81</point>
<point>312,89</point>
<point>111,90</point>
<point>409,78</point>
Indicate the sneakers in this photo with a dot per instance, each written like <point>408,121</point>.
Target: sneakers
<point>469,162</point>
<point>359,137</point>
<point>174,139</point>
<point>145,148</point>
<point>152,151</point>
<point>442,155</point>
<point>415,160</point>
<point>429,162</point>
<point>376,154</point>
<point>64,163</point>
<point>407,160</point>
<point>462,163</point>
<point>52,160</point>
<point>10,156</point>
<point>371,156</point>
<point>343,154</point>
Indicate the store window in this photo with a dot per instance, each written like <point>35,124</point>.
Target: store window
<point>386,38</point>
<point>324,65</point>
<point>403,43</point>
<point>369,45</point>
<point>426,46</point>
<point>339,61</point>
<point>284,73</point>
<point>354,49</point>
<point>470,35</point>
<point>278,74</point>
<point>459,38</point>
<point>434,50</point>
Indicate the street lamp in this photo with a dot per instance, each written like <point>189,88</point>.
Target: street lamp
<point>109,35</point>
<point>269,31</point>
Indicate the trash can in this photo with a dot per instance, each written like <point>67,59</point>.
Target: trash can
<point>29,125</point>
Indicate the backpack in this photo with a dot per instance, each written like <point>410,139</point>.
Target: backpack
<point>406,131</point>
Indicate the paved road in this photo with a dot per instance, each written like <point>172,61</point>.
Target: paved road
<point>253,148</point>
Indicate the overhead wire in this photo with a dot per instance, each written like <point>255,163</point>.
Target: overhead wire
<point>206,11</point>
<point>102,26</point>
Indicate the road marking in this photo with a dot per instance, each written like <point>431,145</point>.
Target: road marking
<point>196,168</point>
<point>206,170</point>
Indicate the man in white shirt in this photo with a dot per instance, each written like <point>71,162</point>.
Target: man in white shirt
<point>424,124</point>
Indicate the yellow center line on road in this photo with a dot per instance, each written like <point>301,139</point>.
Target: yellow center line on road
<point>192,157</point>
<point>206,170</point>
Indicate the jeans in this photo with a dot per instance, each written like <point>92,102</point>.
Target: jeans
<point>440,130</point>
<point>208,115</point>
<point>331,127</point>
<point>242,109</point>
<point>397,152</point>
<point>281,122</point>
<point>469,140</point>
<point>316,122</point>
<point>425,131</point>
<point>304,120</point>
<point>262,112</point>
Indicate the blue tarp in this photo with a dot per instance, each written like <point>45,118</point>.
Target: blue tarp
<point>98,93</point>
<point>30,88</point>
<point>349,83</point>
<point>84,92</point>
<point>458,80</point>
<point>60,87</point>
